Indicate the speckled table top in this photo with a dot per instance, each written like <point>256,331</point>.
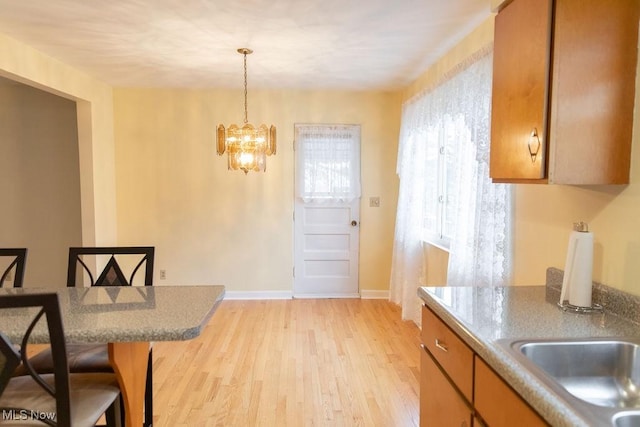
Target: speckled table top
<point>487,317</point>
<point>121,314</point>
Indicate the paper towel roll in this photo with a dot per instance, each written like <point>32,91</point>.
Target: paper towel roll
<point>578,271</point>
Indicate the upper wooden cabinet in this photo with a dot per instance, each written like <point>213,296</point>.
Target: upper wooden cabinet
<point>563,91</point>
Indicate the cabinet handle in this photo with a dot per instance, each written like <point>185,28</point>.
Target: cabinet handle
<point>441,345</point>
<point>534,145</point>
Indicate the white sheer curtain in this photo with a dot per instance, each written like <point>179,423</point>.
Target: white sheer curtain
<point>407,268</point>
<point>330,155</point>
<point>479,212</point>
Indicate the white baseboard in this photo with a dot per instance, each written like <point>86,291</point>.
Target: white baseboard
<point>247,295</point>
<point>265,295</point>
<point>374,294</point>
<point>326,296</point>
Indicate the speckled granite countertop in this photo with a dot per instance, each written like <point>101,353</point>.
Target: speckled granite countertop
<point>484,316</point>
<point>122,313</point>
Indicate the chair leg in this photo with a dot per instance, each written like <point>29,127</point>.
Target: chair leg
<point>122,413</point>
<point>115,414</point>
<point>148,394</point>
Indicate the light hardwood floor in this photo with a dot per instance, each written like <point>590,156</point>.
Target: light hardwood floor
<point>324,362</point>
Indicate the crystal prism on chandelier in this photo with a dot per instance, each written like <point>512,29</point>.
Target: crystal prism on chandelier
<point>247,147</point>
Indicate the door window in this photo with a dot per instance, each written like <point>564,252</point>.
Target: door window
<point>328,159</point>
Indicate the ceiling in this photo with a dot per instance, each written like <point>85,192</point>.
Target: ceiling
<point>300,44</point>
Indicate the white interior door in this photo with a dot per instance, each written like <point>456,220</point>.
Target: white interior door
<point>327,211</point>
<point>326,249</point>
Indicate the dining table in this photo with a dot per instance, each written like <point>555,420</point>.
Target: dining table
<point>128,319</point>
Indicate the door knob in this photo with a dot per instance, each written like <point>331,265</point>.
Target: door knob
<point>354,223</point>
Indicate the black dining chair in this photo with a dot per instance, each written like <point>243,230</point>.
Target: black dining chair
<point>59,398</point>
<point>84,270</point>
<point>16,259</point>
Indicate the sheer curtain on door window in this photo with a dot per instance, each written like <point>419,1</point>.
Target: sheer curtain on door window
<point>330,163</point>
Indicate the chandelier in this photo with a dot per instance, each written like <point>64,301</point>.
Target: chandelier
<point>247,146</point>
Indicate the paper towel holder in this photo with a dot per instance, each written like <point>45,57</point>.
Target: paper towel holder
<point>580,227</point>
<point>595,308</point>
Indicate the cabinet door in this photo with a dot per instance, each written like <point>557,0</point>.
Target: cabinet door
<point>593,91</point>
<point>520,81</point>
<point>440,404</point>
<point>497,403</point>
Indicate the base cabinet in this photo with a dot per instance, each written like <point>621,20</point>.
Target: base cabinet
<point>444,400</point>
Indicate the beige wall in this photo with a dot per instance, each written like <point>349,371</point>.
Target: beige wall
<point>211,225</point>
<point>544,213</point>
<point>95,130</point>
<point>479,38</point>
<point>496,5</point>
<point>39,180</point>
<point>175,193</point>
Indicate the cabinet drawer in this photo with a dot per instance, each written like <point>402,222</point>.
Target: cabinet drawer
<point>498,404</point>
<point>449,351</point>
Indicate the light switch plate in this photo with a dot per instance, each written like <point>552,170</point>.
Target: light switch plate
<point>374,202</point>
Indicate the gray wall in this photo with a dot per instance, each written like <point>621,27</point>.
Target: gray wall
<point>39,180</point>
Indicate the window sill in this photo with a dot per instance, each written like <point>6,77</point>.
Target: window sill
<point>442,243</point>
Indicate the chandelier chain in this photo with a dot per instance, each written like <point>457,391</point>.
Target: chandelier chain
<point>245,89</point>
<point>247,146</point>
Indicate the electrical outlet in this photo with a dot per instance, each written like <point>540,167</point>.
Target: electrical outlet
<point>374,202</point>
<point>163,274</point>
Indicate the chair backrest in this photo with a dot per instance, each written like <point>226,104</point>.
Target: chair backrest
<point>112,274</point>
<point>9,361</point>
<point>16,260</point>
<point>47,306</point>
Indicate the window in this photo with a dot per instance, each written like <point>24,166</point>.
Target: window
<point>446,196</point>
<point>444,141</point>
<point>330,159</point>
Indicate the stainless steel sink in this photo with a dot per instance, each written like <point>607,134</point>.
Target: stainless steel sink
<point>631,419</point>
<point>604,373</point>
<point>598,377</point>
